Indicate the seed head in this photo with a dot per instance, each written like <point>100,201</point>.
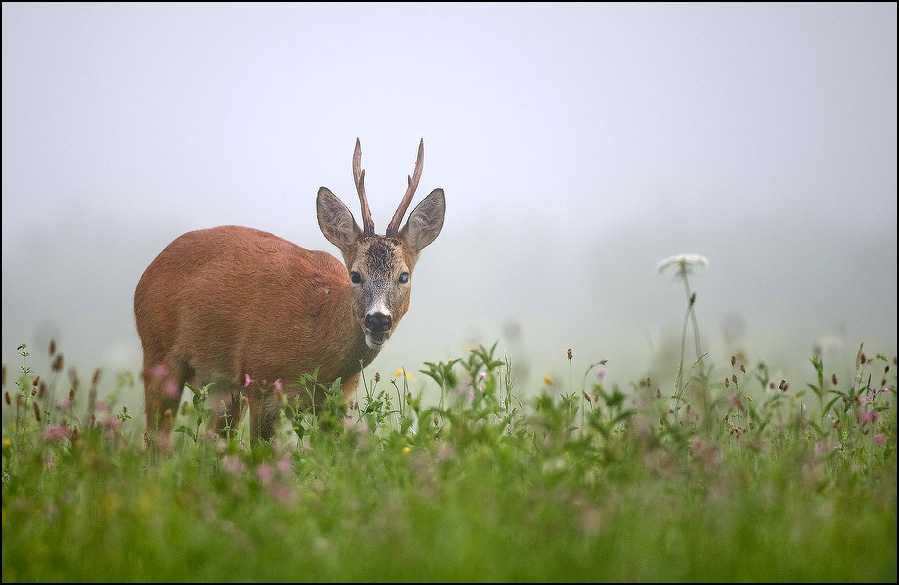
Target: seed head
<point>683,262</point>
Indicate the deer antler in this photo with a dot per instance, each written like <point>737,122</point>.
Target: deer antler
<point>394,226</point>
<point>368,225</point>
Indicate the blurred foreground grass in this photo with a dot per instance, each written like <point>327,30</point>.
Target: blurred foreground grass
<point>740,478</point>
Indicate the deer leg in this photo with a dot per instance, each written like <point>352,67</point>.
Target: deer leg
<point>264,404</point>
<point>163,385</point>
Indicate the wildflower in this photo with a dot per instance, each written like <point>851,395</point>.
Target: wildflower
<point>683,262</point>
<point>55,433</point>
<point>548,380</point>
<point>172,389</point>
<point>246,380</point>
<point>880,439</point>
<point>822,448</point>
<point>266,473</point>
<point>233,465</point>
<point>407,449</point>
<point>868,417</point>
<point>159,371</point>
<point>278,385</point>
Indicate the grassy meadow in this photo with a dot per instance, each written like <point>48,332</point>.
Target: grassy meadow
<point>726,474</point>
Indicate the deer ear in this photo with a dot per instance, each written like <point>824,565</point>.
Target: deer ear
<point>336,221</point>
<point>425,221</point>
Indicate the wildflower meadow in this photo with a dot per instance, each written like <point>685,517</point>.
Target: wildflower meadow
<point>720,472</point>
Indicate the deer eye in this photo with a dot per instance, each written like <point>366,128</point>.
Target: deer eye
<point>355,277</point>
<point>404,278</point>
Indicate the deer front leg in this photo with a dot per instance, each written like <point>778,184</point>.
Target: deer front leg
<point>264,403</point>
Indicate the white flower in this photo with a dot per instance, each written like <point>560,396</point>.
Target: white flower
<point>683,262</point>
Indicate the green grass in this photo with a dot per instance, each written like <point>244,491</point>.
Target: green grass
<point>745,480</point>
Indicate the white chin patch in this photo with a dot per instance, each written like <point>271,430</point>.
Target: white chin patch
<point>375,340</point>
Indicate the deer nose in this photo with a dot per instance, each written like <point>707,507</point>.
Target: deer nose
<point>378,322</point>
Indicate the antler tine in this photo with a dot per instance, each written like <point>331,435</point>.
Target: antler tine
<point>368,225</point>
<point>394,226</point>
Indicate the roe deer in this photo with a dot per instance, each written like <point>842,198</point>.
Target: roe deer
<point>253,312</point>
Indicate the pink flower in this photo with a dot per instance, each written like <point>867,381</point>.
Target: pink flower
<point>880,438</point>
<point>56,433</point>
<point>246,380</point>
<point>266,473</point>
<point>278,385</point>
<point>868,417</point>
<point>171,389</point>
<point>159,371</point>
<point>234,465</point>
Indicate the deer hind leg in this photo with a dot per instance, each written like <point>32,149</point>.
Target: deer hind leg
<point>163,384</point>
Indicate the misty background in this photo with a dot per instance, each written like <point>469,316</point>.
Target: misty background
<point>578,145</point>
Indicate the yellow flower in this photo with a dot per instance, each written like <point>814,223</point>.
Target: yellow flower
<point>399,373</point>
<point>407,449</point>
<point>548,380</point>
<point>6,442</point>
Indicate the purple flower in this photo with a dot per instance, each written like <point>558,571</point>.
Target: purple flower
<point>246,380</point>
